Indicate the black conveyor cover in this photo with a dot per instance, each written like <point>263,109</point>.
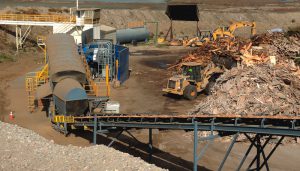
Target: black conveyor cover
<point>183,12</point>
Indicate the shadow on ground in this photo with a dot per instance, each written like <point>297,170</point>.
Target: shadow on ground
<point>132,146</point>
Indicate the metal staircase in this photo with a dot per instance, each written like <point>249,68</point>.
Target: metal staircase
<point>63,28</point>
<point>93,88</point>
<point>32,81</point>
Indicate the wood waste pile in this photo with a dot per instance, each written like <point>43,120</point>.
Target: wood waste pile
<point>265,80</point>
<point>254,90</point>
<point>225,53</point>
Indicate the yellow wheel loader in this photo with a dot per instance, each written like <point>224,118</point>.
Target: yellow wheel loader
<point>194,79</point>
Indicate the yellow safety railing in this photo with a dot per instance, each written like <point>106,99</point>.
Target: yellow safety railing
<point>96,88</point>
<point>35,79</point>
<point>63,119</point>
<point>43,74</point>
<point>32,81</point>
<point>31,104</point>
<point>39,18</point>
<point>41,42</point>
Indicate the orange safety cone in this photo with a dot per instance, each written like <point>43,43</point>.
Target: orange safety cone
<point>11,116</point>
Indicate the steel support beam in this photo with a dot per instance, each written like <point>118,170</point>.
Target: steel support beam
<point>204,150</point>
<point>228,151</point>
<point>18,37</point>
<point>150,145</point>
<point>114,139</point>
<point>210,139</point>
<point>260,148</point>
<point>132,136</point>
<point>207,127</point>
<point>246,154</point>
<point>95,130</point>
<point>195,168</point>
<point>21,38</point>
<point>271,153</point>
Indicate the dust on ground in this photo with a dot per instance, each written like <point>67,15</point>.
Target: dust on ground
<point>141,93</point>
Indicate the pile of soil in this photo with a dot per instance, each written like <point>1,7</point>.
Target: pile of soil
<point>22,149</point>
<point>257,90</point>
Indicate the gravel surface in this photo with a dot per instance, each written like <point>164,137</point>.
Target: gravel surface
<point>22,149</point>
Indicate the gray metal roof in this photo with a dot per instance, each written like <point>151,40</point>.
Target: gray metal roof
<point>64,60</point>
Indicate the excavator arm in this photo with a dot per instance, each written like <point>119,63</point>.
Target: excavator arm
<point>228,32</point>
<point>241,24</point>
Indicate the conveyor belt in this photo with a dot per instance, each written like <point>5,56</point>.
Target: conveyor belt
<point>271,125</point>
<point>289,117</point>
<point>259,125</point>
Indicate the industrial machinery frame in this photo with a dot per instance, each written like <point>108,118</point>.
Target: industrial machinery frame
<point>225,125</point>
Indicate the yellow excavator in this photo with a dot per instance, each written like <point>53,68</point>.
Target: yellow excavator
<point>206,36</point>
<point>193,79</point>
<point>229,31</point>
<point>220,32</point>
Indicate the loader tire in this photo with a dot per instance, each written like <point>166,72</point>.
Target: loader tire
<point>190,92</point>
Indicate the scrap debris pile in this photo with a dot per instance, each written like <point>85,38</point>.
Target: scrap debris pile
<point>265,81</point>
<point>254,90</point>
<point>284,47</point>
<point>225,53</point>
<point>201,55</point>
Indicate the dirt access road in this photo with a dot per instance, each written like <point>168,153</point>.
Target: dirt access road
<point>141,93</point>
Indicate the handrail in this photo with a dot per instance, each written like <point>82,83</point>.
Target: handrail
<point>39,18</point>
<point>95,88</point>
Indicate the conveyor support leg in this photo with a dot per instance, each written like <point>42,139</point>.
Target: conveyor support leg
<point>150,146</point>
<point>95,130</point>
<point>228,151</point>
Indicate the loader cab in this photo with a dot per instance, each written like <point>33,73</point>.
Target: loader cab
<point>193,70</point>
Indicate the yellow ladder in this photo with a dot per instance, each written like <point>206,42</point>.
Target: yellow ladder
<point>32,81</point>
<point>31,104</point>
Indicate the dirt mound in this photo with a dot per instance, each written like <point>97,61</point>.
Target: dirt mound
<point>259,90</point>
<point>22,149</point>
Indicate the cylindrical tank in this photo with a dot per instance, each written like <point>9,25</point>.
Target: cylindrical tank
<point>132,35</point>
<point>63,58</point>
<point>70,97</point>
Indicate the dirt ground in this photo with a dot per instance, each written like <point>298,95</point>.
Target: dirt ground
<point>140,94</point>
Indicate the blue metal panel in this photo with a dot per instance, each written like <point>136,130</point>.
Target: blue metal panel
<point>70,98</point>
<point>122,54</point>
<point>76,94</point>
<point>60,105</point>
